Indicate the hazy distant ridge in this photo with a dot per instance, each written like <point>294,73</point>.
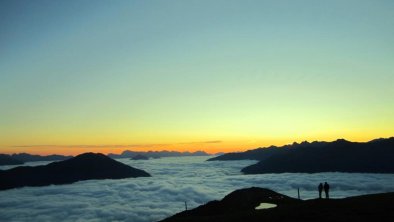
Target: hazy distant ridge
<point>8,160</point>
<point>20,158</point>
<point>156,154</point>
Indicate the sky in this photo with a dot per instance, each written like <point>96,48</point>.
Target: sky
<point>219,76</point>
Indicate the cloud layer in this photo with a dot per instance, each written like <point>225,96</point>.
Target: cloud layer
<point>174,181</point>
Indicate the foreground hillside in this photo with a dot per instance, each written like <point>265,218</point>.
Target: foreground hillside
<point>82,167</point>
<point>239,206</point>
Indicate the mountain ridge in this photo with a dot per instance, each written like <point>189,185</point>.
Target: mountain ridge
<point>9,160</point>
<point>156,154</point>
<point>85,166</point>
<point>375,156</point>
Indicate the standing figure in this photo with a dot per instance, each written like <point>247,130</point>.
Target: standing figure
<point>327,190</point>
<point>320,187</point>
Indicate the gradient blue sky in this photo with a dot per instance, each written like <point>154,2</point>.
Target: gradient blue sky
<point>162,74</point>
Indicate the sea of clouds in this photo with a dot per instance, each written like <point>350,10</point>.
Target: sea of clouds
<point>174,181</point>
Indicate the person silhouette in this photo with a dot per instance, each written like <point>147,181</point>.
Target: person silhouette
<point>327,190</point>
<point>320,187</point>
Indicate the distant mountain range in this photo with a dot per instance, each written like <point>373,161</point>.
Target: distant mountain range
<point>25,157</point>
<point>20,158</point>
<point>256,154</point>
<point>140,157</point>
<point>86,166</point>
<point>376,156</point>
<point>156,154</point>
<point>8,160</point>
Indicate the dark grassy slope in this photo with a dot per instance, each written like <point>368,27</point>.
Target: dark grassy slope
<point>239,207</point>
<point>376,156</point>
<point>82,167</point>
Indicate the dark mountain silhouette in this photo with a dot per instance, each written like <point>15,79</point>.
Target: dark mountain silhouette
<point>140,157</point>
<point>376,156</point>
<point>240,206</point>
<point>20,158</point>
<point>25,157</point>
<point>156,154</point>
<point>8,160</point>
<point>263,153</point>
<point>256,154</point>
<point>82,167</point>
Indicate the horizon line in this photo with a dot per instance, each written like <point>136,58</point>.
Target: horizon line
<point>169,150</point>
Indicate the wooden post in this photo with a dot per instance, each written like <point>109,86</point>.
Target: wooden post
<point>185,205</point>
<point>298,190</point>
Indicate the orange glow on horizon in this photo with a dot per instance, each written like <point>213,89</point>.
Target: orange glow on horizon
<point>211,147</point>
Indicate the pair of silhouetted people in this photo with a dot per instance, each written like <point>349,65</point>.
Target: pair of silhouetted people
<point>326,188</point>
